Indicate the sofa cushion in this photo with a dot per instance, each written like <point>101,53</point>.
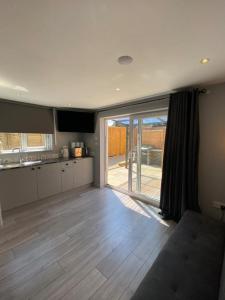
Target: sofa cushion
<point>189,265</point>
<point>222,281</point>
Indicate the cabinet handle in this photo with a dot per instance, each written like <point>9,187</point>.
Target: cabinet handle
<point>39,168</point>
<point>74,162</point>
<point>67,164</point>
<point>63,170</point>
<point>32,169</point>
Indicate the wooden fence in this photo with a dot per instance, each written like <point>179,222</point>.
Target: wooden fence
<point>116,141</point>
<point>152,136</point>
<point>9,141</point>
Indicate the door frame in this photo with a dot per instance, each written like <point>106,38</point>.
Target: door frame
<point>136,195</point>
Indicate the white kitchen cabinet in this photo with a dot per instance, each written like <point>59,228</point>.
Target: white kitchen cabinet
<point>17,187</point>
<point>49,180</point>
<point>28,184</point>
<point>83,170</point>
<point>67,169</point>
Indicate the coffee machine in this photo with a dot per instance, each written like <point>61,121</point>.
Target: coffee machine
<point>78,149</point>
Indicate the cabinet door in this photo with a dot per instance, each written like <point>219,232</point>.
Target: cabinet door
<point>17,187</point>
<point>67,169</point>
<point>83,170</point>
<point>87,165</point>
<point>78,177</point>
<point>49,180</point>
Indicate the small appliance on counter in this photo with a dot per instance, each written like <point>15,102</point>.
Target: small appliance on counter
<point>78,152</point>
<point>65,152</point>
<point>78,149</point>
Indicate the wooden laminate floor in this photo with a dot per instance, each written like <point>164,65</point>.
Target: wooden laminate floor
<point>84,244</point>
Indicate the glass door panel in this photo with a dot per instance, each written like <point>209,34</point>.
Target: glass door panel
<point>118,145</point>
<point>147,152</point>
<point>135,153</point>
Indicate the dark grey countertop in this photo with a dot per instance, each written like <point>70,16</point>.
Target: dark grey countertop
<point>37,163</point>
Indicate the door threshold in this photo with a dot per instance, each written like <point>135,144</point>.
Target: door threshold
<point>142,198</point>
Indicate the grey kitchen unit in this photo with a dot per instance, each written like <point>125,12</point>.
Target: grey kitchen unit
<point>24,185</point>
<point>85,171</point>
<point>69,174</point>
<point>48,180</point>
<point>17,187</point>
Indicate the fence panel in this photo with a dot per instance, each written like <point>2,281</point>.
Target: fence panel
<point>154,137</point>
<point>116,141</point>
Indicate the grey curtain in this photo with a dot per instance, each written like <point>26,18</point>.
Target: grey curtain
<point>179,187</point>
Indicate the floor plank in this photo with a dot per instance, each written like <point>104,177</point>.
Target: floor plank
<point>86,287</point>
<point>83,244</point>
<point>113,288</point>
<point>34,284</point>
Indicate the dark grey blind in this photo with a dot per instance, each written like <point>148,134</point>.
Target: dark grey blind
<point>25,118</point>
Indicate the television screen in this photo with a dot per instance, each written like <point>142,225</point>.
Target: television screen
<point>75,121</point>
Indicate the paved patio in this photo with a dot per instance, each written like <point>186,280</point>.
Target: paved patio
<point>150,177</point>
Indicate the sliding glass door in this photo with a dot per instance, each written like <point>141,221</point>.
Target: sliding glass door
<point>118,152</point>
<point>137,163</point>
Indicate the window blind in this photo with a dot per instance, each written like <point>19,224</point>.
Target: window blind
<point>25,118</point>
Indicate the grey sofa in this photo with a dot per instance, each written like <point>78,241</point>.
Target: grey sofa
<point>191,264</point>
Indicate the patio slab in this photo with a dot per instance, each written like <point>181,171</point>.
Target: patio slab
<point>150,177</point>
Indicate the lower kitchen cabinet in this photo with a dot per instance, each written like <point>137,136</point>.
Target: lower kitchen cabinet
<point>17,187</point>
<point>68,175</point>
<point>88,170</point>
<point>83,171</point>
<point>48,180</point>
<point>28,184</point>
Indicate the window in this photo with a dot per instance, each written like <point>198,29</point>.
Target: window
<point>25,142</point>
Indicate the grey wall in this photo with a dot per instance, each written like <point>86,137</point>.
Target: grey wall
<point>212,149</point>
<point>90,140</point>
<point>64,138</point>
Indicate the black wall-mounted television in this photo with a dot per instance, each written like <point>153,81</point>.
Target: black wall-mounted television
<point>75,121</point>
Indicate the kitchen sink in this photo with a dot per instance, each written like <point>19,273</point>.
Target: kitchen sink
<point>18,165</point>
<point>30,163</point>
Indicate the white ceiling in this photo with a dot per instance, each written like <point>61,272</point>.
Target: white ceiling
<point>61,52</point>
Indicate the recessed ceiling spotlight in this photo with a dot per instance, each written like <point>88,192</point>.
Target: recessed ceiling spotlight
<point>125,60</point>
<point>204,61</point>
<point>117,89</point>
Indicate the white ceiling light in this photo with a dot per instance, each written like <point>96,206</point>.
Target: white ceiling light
<point>204,60</point>
<point>117,89</point>
<point>125,60</point>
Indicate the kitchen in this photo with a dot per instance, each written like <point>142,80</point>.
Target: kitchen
<point>35,170</point>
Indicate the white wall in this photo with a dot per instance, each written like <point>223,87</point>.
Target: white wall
<point>212,149</point>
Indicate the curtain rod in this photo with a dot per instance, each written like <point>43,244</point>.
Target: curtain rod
<point>203,91</point>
